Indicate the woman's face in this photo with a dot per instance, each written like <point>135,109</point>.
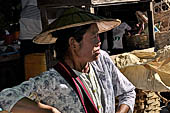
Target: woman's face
<point>89,46</point>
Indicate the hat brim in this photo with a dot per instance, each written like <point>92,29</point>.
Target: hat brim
<point>103,26</point>
<point>75,17</point>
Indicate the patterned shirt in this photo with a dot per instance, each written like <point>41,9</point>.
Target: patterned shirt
<point>52,89</point>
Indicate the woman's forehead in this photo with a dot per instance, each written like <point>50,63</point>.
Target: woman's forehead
<point>94,28</point>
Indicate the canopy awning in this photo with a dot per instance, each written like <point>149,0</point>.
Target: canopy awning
<point>58,3</point>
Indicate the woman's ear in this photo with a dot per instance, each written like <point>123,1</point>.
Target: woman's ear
<point>72,42</point>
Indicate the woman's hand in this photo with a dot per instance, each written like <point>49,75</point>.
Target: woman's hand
<point>54,110</point>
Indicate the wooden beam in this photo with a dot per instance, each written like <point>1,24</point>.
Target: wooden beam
<point>63,2</point>
<point>44,18</point>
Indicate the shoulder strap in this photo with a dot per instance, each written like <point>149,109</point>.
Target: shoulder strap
<point>78,86</point>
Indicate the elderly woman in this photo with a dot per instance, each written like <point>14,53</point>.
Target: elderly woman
<point>84,80</point>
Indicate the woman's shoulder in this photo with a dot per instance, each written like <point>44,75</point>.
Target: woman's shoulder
<point>59,89</point>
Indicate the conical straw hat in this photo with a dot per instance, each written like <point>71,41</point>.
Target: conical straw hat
<point>74,17</point>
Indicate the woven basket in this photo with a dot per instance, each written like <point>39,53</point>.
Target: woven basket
<point>164,19</point>
<point>162,39</point>
<point>161,6</point>
<point>146,102</point>
<point>138,41</point>
<point>162,15</point>
<point>142,41</point>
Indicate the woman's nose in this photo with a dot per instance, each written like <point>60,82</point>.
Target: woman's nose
<point>98,43</point>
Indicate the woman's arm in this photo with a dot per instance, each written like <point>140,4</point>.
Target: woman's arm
<point>123,108</point>
<point>123,88</point>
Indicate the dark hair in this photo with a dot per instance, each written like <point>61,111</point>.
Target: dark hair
<point>62,44</point>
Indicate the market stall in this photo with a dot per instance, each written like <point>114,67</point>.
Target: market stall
<point>52,9</point>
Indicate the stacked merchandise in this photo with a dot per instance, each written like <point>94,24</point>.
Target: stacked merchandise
<point>140,40</point>
<point>147,102</point>
<point>138,37</point>
<point>162,21</point>
<point>149,71</point>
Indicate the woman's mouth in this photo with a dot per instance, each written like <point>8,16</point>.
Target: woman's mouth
<point>97,51</point>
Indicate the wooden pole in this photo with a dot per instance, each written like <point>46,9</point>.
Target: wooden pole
<point>151,25</point>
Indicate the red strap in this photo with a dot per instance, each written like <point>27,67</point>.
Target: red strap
<point>67,76</point>
<point>80,89</point>
<point>85,90</point>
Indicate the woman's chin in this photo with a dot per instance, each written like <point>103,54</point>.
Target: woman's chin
<point>96,55</point>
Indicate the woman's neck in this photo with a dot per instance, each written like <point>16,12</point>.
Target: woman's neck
<point>77,65</point>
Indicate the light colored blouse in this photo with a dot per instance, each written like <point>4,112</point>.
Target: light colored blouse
<point>92,85</point>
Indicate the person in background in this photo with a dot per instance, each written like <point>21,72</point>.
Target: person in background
<point>84,79</point>
<point>30,26</point>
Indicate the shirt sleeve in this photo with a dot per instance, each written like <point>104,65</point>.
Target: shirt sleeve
<point>10,96</point>
<point>50,88</point>
<point>123,88</point>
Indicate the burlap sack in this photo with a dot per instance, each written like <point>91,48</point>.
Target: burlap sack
<point>146,69</point>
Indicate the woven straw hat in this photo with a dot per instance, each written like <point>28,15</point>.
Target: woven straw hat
<point>74,17</point>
